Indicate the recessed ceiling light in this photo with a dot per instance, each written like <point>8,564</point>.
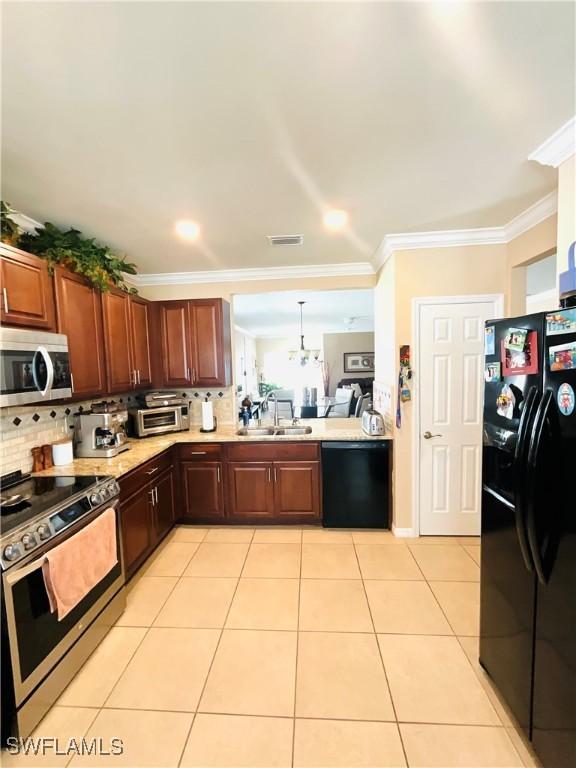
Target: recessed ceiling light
<point>188,229</point>
<point>335,220</point>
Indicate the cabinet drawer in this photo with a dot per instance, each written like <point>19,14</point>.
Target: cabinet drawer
<point>273,451</point>
<point>145,473</point>
<point>199,451</point>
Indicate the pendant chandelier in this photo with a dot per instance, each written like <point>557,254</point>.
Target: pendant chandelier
<point>303,355</point>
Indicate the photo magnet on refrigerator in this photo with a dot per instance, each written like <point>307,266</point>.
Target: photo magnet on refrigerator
<point>489,344</point>
<point>505,403</point>
<point>566,399</point>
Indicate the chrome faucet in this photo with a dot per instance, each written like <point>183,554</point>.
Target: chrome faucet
<point>266,400</point>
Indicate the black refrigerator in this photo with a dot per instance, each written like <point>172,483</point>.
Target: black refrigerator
<point>528,560</point>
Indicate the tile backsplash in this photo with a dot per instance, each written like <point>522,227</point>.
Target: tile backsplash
<point>23,427</point>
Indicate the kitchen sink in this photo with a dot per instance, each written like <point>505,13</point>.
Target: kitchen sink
<point>255,431</point>
<point>293,430</point>
<point>270,431</point>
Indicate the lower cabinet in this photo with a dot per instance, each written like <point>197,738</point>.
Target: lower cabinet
<point>136,529</point>
<point>297,489</point>
<point>203,483</point>
<point>274,482</point>
<point>162,501</point>
<point>146,509</point>
<point>250,490</point>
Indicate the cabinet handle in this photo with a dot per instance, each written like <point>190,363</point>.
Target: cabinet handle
<point>151,471</point>
<point>188,375</point>
<point>218,473</point>
<point>193,375</point>
<point>198,453</point>
<point>137,373</point>
<point>156,493</point>
<point>5,297</point>
<point>151,494</point>
<point>275,476</point>
<point>269,475</point>
<point>72,382</point>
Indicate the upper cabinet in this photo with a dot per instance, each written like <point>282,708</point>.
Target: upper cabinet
<point>195,343</point>
<point>79,313</point>
<point>127,341</point>
<point>140,337</point>
<point>27,293</point>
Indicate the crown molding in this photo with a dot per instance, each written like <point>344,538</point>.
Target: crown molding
<point>26,222</point>
<point>260,273</point>
<point>536,213</point>
<point>558,147</point>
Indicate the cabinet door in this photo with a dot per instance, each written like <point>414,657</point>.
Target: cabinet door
<point>136,526</point>
<point>116,311</point>
<point>210,342</point>
<point>163,504</point>
<point>203,490</point>
<point>140,338</point>
<point>175,348</point>
<point>251,491</point>
<point>27,292</point>
<point>297,489</point>
<point>79,312</point>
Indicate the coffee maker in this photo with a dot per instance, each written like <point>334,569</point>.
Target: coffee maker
<point>101,435</point>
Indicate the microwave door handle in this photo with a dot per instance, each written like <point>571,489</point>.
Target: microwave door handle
<point>21,573</point>
<point>49,371</point>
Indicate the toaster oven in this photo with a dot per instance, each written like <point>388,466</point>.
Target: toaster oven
<point>143,422</point>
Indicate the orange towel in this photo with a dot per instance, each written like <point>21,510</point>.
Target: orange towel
<point>74,567</point>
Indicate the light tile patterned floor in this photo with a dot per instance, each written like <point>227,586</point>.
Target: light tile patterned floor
<point>289,647</point>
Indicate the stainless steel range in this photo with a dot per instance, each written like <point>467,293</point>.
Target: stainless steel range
<point>39,653</point>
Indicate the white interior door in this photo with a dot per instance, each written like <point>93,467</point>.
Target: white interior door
<point>451,387</point>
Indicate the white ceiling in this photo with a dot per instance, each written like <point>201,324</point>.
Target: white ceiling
<point>277,315</point>
<point>251,118</point>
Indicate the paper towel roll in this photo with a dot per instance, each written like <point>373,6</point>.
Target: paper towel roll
<point>207,416</point>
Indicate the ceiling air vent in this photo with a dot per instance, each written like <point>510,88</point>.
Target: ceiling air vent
<point>285,239</point>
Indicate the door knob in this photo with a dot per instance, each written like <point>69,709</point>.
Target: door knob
<point>428,435</point>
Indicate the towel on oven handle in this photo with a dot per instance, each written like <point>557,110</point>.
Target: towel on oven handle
<point>77,565</point>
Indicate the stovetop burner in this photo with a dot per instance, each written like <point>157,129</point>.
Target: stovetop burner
<point>37,496</point>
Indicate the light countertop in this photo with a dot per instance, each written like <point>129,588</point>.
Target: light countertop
<point>146,448</point>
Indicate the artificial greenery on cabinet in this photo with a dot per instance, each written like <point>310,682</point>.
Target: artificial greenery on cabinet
<point>70,249</point>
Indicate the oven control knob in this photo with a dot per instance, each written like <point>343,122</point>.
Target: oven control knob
<point>28,541</point>
<point>11,552</point>
<point>96,498</point>
<point>112,489</point>
<point>43,532</point>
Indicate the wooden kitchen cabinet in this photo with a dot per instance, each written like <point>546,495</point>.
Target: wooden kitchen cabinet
<point>126,341</point>
<point>163,504</point>
<point>251,491</point>
<point>116,314</point>
<point>141,360</point>
<point>297,489</point>
<point>27,291</point>
<point>79,316</point>
<point>136,518</point>
<point>276,482</point>
<point>175,352</point>
<point>210,340</point>
<point>196,346</point>
<point>203,484</point>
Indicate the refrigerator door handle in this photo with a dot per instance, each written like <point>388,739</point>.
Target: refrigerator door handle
<point>540,421</point>
<point>520,471</point>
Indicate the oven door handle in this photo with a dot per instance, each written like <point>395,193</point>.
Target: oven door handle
<point>21,573</point>
<point>43,352</point>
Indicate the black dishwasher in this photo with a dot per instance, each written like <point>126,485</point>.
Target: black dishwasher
<point>356,482</point>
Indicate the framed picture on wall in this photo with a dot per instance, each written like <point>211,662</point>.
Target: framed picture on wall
<point>358,362</point>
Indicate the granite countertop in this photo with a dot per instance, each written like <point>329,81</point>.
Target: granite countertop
<point>146,448</point>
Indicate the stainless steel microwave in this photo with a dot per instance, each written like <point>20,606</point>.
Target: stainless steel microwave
<point>34,367</point>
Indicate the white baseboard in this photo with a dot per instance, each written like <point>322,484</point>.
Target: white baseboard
<point>404,533</point>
